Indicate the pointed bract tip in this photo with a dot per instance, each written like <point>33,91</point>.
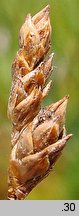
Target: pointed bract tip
<point>63,102</point>
<point>64,140</point>
<point>46,9</point>
<point>68,137</point>
<point>58,104</point>
<point>57,147</point>
<point>51,56</point>
<point>36,18</point>
<point>66,97</point>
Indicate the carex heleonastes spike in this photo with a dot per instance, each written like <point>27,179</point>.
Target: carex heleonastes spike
<point>38,135</point>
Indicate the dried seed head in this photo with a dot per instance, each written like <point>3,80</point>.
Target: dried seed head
<point>38,135</point>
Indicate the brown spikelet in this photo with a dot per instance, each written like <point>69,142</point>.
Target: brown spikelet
<point>38,135</point>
